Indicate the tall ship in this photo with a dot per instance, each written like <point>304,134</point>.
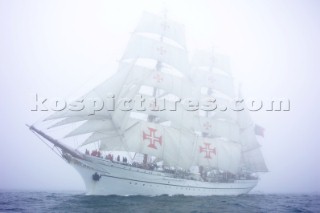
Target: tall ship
<point>165,127</point>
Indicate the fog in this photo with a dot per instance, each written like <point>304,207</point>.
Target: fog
<point>62,48</point>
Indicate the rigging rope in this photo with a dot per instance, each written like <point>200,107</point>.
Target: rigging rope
<point>52,148</point>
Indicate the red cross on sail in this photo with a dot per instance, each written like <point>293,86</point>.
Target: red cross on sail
<point>153,139</point>
<point>165,26</point>
<point>161,50</point>
<point>207,125</point>
<point>207,150</point>
<point>158,78</point>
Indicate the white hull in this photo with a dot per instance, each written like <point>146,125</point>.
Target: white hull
<point>118,179</point>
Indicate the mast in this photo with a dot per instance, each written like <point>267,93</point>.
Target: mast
<point>158,67</point>
<point>218,143</point>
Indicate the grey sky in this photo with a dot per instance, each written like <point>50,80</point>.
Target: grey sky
<point>58,49</point>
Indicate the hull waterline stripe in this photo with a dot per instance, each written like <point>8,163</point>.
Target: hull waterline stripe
<point>167,184</point>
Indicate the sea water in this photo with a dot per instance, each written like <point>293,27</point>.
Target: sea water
<point>16,201</point>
